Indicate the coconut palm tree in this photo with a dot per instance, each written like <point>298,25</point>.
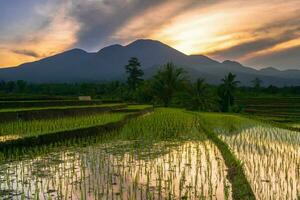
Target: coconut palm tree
<point>167,80</point>
<point>227,90</point>
<point>200,96</point>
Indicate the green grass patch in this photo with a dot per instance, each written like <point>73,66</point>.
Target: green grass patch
<point>20,129</point>
<point>59,107</point>
<point>164,123</point>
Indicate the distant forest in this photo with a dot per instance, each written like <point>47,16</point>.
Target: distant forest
<point>170,86</point>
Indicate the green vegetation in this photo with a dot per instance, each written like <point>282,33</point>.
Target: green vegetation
<point>142,151</point>
<point>166,82</point>
<point>164,123</point>
<point>280,109</point>
<point>130,164</point>
<point>226,92</point>
<point>269,154</point>
<point>135,73</point>
<point>45,103</point>
<point>19,129</point>
<point>60,107</point>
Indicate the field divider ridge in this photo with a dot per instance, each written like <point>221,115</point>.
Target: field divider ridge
<point>241,189</point>
<point>48,113</point>
<point>78,133</point>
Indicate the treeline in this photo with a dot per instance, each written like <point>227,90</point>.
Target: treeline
<point>170,86</point>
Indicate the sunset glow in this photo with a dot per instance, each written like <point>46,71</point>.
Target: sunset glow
<point>230,29</point>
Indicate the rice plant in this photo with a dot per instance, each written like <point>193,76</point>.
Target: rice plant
<point>162,155</point>
<point>17,129</point>
<point>271,155</point>
<point>192,170</point>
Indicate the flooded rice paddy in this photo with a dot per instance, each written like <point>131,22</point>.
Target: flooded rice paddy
<point>271,158</point>
<point>120,170</point>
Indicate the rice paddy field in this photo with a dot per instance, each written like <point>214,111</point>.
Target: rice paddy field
<point>161,153</point>
<point>277,109</point>
<point>270,155</point>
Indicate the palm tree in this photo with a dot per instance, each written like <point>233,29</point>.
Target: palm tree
<point>226,91</point>
<point>167,80</point>
<point>200,97</point>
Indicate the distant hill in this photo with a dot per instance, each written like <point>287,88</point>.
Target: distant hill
<point>77,65</point>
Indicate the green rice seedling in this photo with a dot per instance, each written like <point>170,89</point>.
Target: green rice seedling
<point>157,156</point>
<point>270,155</point>
<point>20,129</point>
<point>271,159</point>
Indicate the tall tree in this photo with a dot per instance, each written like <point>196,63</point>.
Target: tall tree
<point>10,86</point>
<point>256,83</point>
<point>133,68</point>
<point>167,80</point>
<point>200,97</point>
<point>21,85</point>
<point>226,91</point>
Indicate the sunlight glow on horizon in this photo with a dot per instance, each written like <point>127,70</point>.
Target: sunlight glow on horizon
<point>212,29</point>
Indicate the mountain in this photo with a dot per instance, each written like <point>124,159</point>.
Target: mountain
<point>77,65</point>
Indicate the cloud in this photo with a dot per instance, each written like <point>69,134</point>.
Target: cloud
<point>259,42</point>
<point>230,29</point>
<point>112,21</point>
<point>283,59</point>
<point>98,20</point>
<point>26,52</point>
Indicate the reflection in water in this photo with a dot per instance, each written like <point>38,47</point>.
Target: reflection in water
<point>120,170</point>
<point>5,138</point>
<point>272,160</point>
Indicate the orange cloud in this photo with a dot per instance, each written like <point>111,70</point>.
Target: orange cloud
<point>59,35</point>
<point>193,27</point>
<point>224,25</point>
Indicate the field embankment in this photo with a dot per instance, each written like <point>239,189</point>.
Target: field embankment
<point>35,113</point>
<point>278,109</point>
<point>46,103</point>
<point>269,154</point>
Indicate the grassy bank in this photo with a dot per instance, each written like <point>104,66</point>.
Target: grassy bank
<point>102,124</point>
<point>46,103</point>
<point>22,129</point>
<point>241,189</point>
<point>277,109</point>
<point>182,125</point>
<point>26,114</point>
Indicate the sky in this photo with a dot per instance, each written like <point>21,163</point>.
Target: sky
<point>256,33</point>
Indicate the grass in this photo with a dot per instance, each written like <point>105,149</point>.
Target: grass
<point>156,156</point>
<point>59,107</point>
<point>20,129</point>
<point>165,143</point>
<point>46,103</point>
<point>164,123</point>
<point>277,109</point>
<point>267,154</point>
<point>210,123</point>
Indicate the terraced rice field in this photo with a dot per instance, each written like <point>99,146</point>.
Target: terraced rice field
<point>20,129</point>
<point>165,154</point>
<point>270,155</point>
<point>277,109</point>
<point>117,170</point>
<point>177,162</point>
<point>271,158</point>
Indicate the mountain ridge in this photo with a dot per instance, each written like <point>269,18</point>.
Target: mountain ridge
<point>77,65</point>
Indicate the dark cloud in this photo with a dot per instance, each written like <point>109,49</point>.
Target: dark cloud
<point>100,20</point>
<point>246,48</point>
<point>284,59</point>
<point>288,29</point>
<point>26,52</point>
